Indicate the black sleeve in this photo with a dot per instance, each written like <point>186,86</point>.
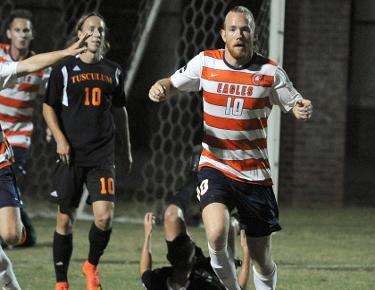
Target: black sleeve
<point>119,94</point>
<point>53,96</point>
<point>147,279</point>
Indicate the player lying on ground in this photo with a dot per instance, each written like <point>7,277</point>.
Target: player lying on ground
<point>189,268</point>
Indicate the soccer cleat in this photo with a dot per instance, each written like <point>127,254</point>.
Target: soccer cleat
<point>92,276</point>
<point>62,286</point>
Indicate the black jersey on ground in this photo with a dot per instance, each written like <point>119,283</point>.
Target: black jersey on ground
<point>82,95</point>
<point>157,280</point>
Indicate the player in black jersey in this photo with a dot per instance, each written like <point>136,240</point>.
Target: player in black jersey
<point>189,269</point>
<point>81,94</point>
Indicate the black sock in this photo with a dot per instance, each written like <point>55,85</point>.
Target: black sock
<point>98,242</point>
<point>62,251</point>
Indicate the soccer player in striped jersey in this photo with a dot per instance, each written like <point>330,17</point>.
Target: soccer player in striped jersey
<point>11,228</point>
<point>82,94</point>
<point>239,86</point>
<point>17,102</point>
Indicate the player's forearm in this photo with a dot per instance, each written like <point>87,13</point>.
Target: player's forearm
<point>52,122</point>
<point>146,257</point>
<point>40,61</point>
<point>244,274</point>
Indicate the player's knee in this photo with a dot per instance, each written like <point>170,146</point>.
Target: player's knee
<point>64,225</point>
<point>217,239</point>
<point>171,215</point>
<point>12,236</point>
<point>104,221</point>
<point>262,262</point>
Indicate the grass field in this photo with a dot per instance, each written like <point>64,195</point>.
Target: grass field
<point>318,249</point>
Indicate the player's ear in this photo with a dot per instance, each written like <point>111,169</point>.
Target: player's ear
<point>223,35</point>
<point>79,34</point>
<point>9,36</point>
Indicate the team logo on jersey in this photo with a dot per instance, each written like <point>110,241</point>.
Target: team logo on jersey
<point>54,193</point>
<point>261,80</point>
<point>76,68</point>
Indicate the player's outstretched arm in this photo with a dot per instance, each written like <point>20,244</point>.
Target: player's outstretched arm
<point>63,147</point>
<point>244,274</point>
<point>161,90</point>
<point>146,257</point>
<point>302,109</point>
<point>43,60</point>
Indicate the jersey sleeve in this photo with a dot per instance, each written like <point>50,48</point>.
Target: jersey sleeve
<point>284,94</point>
<point>55,87</point>
<point>8,73</point>
<point>119,93</point>
<point>188,78</point>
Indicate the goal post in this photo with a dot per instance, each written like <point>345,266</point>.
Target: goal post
<point>276,47</point>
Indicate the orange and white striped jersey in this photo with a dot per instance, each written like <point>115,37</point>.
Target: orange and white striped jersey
<point>7,75</point>
<point>236,106</point>
<point>17,103</point>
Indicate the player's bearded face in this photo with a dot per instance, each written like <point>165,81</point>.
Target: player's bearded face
<point>20,33</point>
<point>96,26</point>
<point>238,35</point>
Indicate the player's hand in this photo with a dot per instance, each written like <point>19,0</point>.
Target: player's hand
<point>158,92</point>
<point>78,46</point>
<point>303,109</point>
<point>148,223</point>
<point>63,150</point>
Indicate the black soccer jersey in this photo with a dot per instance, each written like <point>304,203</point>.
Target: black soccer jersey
<point>81,95</point>
<point>157,280</point>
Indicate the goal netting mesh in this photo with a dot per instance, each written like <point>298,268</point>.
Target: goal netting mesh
<point>179,120</point>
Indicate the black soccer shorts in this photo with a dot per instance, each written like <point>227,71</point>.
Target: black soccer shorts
<point>256,204</point>
<point>69,180</point>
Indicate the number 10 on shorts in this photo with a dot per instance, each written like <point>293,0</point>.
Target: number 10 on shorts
<point>107,185</point>
<point>202,189</point>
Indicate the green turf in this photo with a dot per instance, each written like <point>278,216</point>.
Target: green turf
<point>318,249</point>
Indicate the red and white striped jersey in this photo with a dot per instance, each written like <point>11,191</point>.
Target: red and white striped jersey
<point>17,103</point>
<point>7,75</point>
<point>236,106</point>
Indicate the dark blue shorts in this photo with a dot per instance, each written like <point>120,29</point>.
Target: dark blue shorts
<point>255,204</point>
<point>68,184</point>
<point>21,157</point>
<point>9,195</point>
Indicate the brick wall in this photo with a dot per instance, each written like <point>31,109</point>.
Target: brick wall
<point>316,53</point>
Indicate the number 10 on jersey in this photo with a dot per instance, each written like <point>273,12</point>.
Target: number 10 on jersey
<point>93,96</point>
<point>234,107</point>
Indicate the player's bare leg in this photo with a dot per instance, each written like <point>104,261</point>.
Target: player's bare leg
<point>99,236</point>
<point>216,221</point>
<point>174,222</point>
<point>11,228</point>
<point>264,268</point>
<point>11,233</point>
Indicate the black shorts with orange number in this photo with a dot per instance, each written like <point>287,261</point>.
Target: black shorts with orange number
<point>9,195</point>
<point>68,185</point>
<point>255,204</point>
